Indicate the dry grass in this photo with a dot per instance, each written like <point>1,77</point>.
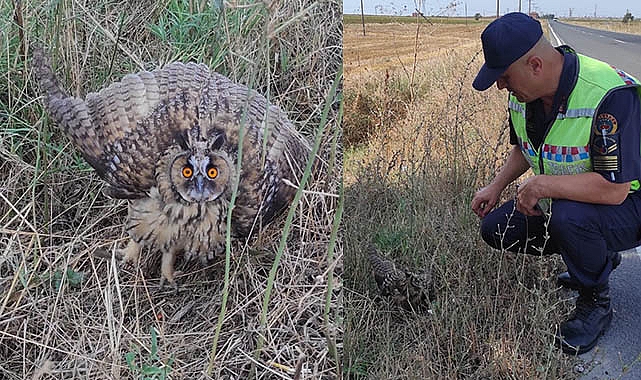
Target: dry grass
<point>432,140</point>
<point>612,25</point>
<point>65,313</point>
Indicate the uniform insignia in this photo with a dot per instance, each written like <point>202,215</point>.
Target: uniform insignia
<point>606,124</point>
<point>606,163</point>
<point>604,146</point>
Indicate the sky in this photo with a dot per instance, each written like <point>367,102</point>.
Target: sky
<point>579,8</point>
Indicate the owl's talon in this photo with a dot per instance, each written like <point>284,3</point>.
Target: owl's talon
<point>172,284</point>
<point>129,255</point>
<point>124,264</point>
<point>169,275</point>
<point>161,286</point>
<point>188,256</point>
<point>171,280</point>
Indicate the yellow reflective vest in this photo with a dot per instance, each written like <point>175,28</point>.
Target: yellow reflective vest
<point>566,144</point>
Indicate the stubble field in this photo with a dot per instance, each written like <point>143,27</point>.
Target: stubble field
<point>612,25</point>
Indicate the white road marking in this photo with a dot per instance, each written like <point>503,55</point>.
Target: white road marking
<point>623,42</point>
<point>559,42</point>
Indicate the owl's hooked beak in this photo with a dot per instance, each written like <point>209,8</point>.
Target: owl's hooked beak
<point>200,193</point>
<point>200,183</point>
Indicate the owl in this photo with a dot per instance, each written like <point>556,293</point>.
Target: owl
<point>409,289</point>
<point>175,142</point>
<point>420,288</point>
<point>390,279</point>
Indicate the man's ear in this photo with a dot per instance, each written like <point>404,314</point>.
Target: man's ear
<point>535,63</point>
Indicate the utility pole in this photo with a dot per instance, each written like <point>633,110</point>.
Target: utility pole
<point>497,9</point>
<point>594,10</point>
<point>363,17</point>
<point>519,5</point>
<point>529,8</point>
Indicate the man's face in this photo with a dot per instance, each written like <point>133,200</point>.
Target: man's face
<point>518,80</point>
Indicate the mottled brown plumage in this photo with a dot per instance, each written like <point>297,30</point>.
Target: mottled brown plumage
<point>169,141</point>
<point>388,277</point>
<point>407,288</point>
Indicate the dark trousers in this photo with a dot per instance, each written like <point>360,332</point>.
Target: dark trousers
<point>586,235</point>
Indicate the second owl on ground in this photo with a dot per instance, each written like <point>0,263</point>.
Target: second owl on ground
<point>410,289</point>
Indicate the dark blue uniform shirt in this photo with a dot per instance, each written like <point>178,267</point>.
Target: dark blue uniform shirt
<point>620,109</point>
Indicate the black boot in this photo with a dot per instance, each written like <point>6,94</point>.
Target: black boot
<point>591,318</point>
<point>565,280</point>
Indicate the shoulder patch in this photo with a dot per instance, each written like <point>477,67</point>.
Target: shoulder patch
<point>605,146</point>
<point>606,124</point>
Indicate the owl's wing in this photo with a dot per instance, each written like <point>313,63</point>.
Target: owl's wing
<point>274,152</point>
<point>123,129</point>
<point>387,276</point>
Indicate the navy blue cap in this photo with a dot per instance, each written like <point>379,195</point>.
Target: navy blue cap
<point>505,40</point>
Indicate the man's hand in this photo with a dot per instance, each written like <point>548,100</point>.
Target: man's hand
<point>485,199</point>
<point>528,194</point>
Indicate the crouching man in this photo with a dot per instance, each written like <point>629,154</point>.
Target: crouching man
<point>576,122</point>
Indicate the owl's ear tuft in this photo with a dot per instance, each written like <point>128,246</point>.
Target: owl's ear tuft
<point>182,139</point>
<point>217,142</point>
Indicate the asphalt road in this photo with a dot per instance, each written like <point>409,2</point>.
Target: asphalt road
<point>618,354</point>
<point>618,49</point>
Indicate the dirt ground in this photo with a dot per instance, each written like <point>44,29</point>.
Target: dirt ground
<point>391,46</point>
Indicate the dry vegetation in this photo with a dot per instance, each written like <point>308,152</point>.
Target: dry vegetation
<point>419,141</point>
<point>65,313</point>
<point>612,25</point>
<point>385,47</point>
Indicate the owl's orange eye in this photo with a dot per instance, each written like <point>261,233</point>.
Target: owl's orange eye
<point>212,172</point>
<point>187,172</point>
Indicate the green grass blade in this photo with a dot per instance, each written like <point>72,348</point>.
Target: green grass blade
<point>331,342</point>
<point>292,209</point>
<point>232,202</point>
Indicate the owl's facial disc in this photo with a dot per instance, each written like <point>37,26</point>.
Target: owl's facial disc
<point>201,178</point>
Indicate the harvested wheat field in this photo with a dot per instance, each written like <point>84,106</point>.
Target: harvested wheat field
<point>419,141</point>
<point>385,47</point>
<point>269,306</point>
<point>609,24</point>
